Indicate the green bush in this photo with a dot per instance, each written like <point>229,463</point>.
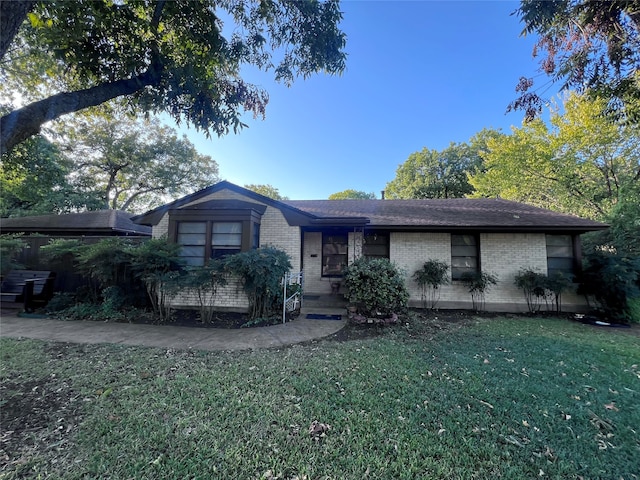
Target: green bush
<point>634,309</point>
<point>478,283</point>
<point>376,286</point>
<point>205,281</point>
<point>613,281</point>
<point>11,244</point>
<point>556,284</point>
<point>122,274</point>
<point>430,278</point>
<point>261,272</point>
<point>533,284</point>
<point>60,301</point>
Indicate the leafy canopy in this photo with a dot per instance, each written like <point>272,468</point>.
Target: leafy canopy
<point>182,57</point>
<point>591,46</point>
<point>266,190</point>
<point>134,164</point>
<point>34,180</point>
<point>434,174</point>
<point>582,163</point>
<point>351,194</point>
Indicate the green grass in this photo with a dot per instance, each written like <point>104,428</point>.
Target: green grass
<point>510,398</point>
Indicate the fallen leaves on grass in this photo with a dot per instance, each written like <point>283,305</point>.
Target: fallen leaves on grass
<point>318,430</point>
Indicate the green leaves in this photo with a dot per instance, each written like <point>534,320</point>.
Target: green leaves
<point>432,275</point>
<point>376,286</point>
<point>352,194</point>
<point>433,174</point>
<point>169,57</point>
<point>134,163</point>
<point>261,271</point>
<point>588,46</point>
<point>582,163</point>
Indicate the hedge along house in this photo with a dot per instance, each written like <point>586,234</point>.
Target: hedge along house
<point>86,227</point>
<point>323,236</point>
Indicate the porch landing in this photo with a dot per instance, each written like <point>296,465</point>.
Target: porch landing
<point>323,302</point>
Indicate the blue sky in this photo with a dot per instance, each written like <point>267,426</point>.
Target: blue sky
<point>419,74</point>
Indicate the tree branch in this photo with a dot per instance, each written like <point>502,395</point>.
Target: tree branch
<point>130,200</point>
<point>12,15</point>
<point>24,122</point>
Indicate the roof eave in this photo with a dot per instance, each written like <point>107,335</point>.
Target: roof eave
<point>494,228</point>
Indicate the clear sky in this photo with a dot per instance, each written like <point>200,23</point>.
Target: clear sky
<point>419,74</point>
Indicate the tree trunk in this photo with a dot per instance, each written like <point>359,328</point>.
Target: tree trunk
<point>12,15</point>
<point>20,124</point>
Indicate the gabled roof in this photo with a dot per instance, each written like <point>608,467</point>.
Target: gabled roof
<point>486,214</point>
<point>98,222</point>
<point>481,214</point>
<point>293,215</point>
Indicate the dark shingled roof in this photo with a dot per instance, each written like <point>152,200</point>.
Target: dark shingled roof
<point>480,214</point>
<point>449,214</point>
<point>99,222</point>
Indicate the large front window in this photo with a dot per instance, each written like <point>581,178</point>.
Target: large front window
<point>203,236</point>
<point>192,238</point>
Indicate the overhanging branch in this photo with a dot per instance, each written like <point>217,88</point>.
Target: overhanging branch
<point>24,122</point>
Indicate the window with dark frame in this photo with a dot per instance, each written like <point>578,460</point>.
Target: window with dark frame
<point>201,240</point>
<point>560,256</point>
<point>192,238</point>
<point>334,254</point>
<point>226,239</point>
<point>375,245</point>
<point>464,255</point>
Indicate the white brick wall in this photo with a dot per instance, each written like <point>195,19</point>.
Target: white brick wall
<point>502,254</point>
<point>162,228</point>
<point>274,231</point>
<point>313,281</point>
<point>229,297</point>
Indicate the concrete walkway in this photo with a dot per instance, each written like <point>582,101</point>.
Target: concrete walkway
<point>166,336</point>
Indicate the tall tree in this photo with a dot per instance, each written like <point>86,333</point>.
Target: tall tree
<point>34,181</point>
<point>135,164</point>
<point>582,163</point>
<point>169,56</point>
<point>350,194</point>
<point>434,174</point>
<point>587,45</point>
<point>266,190</point>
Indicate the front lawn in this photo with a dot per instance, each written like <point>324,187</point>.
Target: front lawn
<point>506,397</point>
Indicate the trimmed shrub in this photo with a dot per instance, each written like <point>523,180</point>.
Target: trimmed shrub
<point>430,278</point>
<point>376,286</point>
<point>478,283</point>
<point>533,285</point>
<point>205,281</point>
<point>261,272</point>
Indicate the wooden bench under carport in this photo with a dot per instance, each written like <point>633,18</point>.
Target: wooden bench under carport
<point>32,288</point>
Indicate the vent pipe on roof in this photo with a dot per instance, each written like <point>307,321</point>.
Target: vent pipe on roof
<point>382,194</point>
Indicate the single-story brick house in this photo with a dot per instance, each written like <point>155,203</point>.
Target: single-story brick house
<point>322,236</point>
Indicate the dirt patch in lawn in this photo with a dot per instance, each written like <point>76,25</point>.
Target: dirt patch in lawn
<point>36,416</point>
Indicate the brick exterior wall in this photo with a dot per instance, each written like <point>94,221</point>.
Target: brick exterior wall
<point>274,231</point>
<point>502,254</point>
